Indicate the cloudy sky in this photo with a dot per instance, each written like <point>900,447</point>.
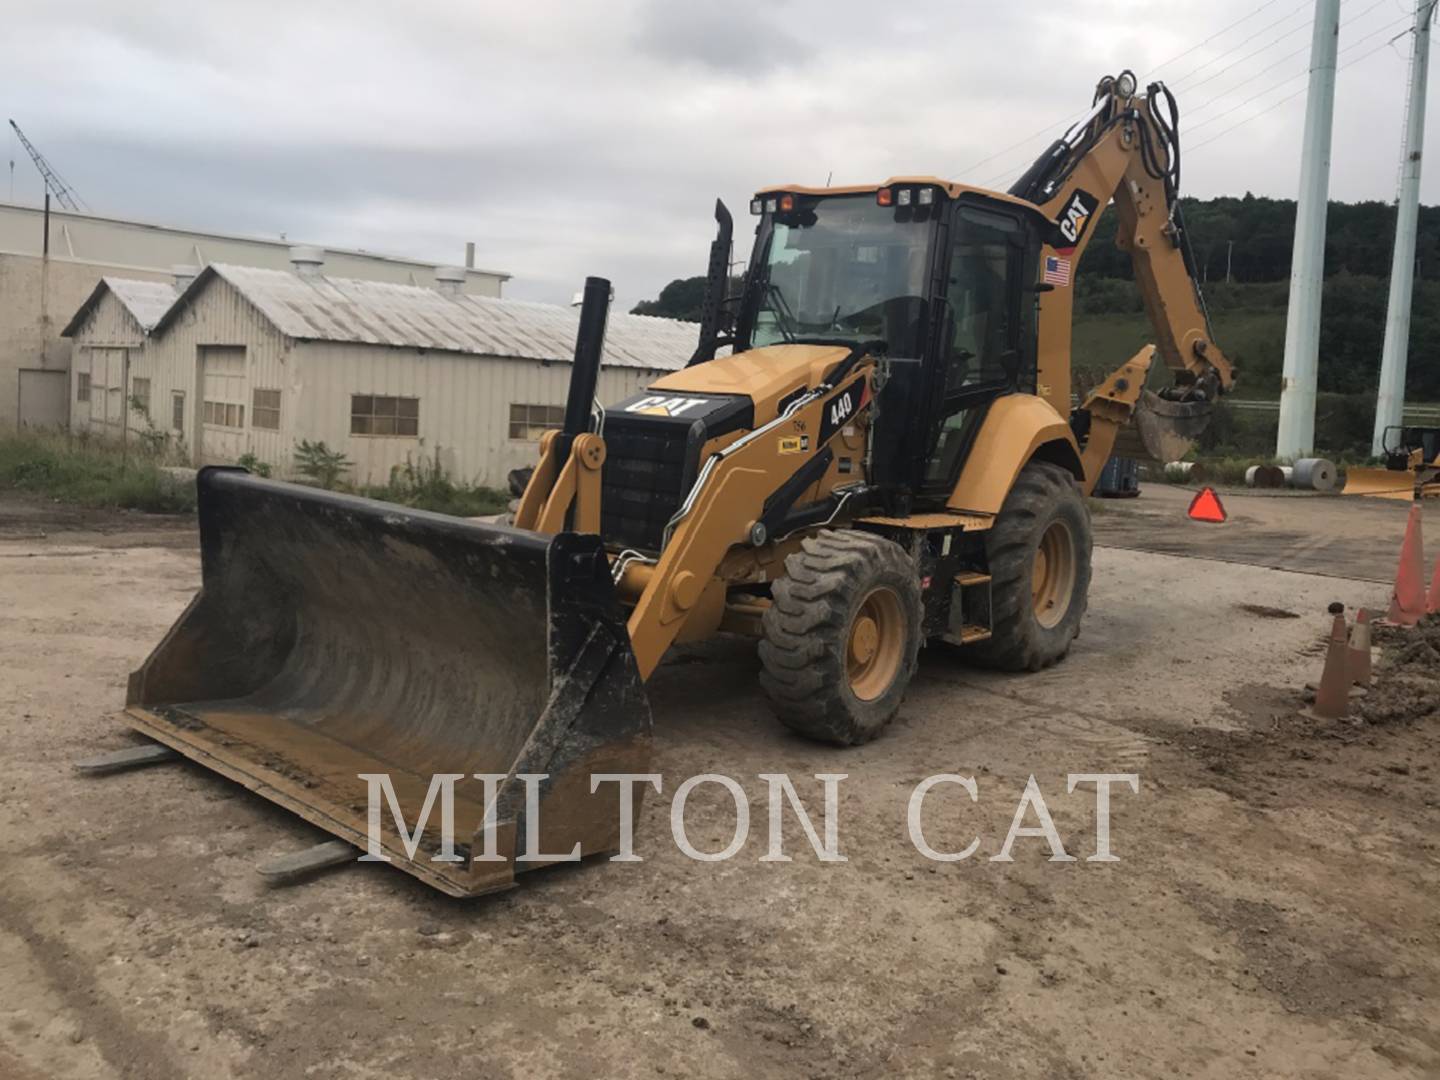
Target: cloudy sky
<point>578,137</point>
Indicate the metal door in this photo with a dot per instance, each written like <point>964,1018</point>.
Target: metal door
<point>44,398</point>
<point>222,404</point>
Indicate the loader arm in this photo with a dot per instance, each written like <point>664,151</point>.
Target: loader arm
<point>728,507</point>
<point>1127,150</point>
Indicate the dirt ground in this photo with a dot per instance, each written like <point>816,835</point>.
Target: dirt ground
<point>1275,910</point>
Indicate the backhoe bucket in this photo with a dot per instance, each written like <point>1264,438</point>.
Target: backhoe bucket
<point>1163,430</point>
<point>336,637</point>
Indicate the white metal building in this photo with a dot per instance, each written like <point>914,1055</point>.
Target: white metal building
<point>250,361</point>
<point>115,321</point>
<point>50,263</point>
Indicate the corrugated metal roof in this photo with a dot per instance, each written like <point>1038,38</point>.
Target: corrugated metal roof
<point>318,308</point>
<point>147,301</point>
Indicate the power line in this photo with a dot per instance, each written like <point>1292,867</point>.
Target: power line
<point>1212,37</point>
<point>1055,126</point>
<point>1191,111</point>
<point>1180,79</point>
<point>1290,97</point>
<point>1067,121</point>
<point>1250,56</point>
<point>1300,75</point>
<point>1071,118</point>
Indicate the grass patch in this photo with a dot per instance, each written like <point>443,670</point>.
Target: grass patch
<point>427,486</point>
<point>89,472</point>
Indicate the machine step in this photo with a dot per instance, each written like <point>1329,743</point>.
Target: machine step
<point>969,634</point>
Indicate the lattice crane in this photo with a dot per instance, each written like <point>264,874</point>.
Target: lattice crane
<point>64,194</point>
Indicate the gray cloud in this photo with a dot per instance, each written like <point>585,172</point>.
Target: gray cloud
<point>739,38</point>
<point>569,138</point>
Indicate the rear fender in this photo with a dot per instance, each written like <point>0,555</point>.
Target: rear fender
<point>1017,429</point>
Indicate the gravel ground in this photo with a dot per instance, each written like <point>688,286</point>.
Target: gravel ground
<point>1272,912</point>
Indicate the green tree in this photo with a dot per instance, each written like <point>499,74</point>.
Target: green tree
<point>681,299</point>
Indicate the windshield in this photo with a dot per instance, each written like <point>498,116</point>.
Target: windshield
<point>842,268</point>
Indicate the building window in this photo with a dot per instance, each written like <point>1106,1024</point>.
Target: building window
<point>177,410</point>
<point>224,414</point>
<point>82,386</point>
<point>374,415</point>
<point>528,422</point>
<point>140,394</point>
<point>265,410</point>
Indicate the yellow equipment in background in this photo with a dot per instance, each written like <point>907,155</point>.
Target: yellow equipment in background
<point>1412,467</point>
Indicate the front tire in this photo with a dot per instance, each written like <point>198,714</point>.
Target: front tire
<point>1039,552</point>
<point>842,636</point>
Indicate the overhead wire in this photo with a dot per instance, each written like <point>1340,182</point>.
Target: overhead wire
<point>1192,110</point>
<point>1011,167</point>
<point>1049,128</point>
<point>1219,33</point>
<point>1290,97</point>
<point>1065,122</point>
<point>1179,80</point>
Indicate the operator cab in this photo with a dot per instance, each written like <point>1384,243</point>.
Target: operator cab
<point>940,281</point>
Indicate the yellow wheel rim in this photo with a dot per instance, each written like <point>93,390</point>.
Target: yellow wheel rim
<point>875,644</point>
<point>1052,583</point>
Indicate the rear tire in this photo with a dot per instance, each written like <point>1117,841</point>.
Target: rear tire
<point>842,636</point>
<point>1039,552</point>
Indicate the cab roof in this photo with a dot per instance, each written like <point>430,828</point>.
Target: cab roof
<point>950,187</point>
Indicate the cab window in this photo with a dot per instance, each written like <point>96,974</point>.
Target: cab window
<point>980,345</point>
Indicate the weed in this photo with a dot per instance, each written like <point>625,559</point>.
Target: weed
<point>426,485</point>
<point>90,472</point>
<point>320,463</point>
<point>249,461</point>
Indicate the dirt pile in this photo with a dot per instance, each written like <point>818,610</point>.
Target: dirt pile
<point>1407,684</point>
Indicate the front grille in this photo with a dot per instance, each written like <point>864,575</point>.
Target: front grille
<point>642,481</point>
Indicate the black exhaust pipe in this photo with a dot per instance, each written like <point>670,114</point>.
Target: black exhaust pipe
<point>585,373</point>
<point>715,322</point>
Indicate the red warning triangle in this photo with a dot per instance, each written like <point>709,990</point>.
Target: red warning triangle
<point>1206,506</point>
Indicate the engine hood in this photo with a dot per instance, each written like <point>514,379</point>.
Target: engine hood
<point>765,376</point>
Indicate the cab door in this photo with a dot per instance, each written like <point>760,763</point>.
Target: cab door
<point>984,343</point>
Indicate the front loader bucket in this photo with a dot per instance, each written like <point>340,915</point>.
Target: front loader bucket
<point>1381,483</point>
<point>1163,430</point>
<point>335,636</point>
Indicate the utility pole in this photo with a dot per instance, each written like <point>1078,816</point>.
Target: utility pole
<point>1296,436</point>
<point>1390,405</point>
<point>1229,255</point>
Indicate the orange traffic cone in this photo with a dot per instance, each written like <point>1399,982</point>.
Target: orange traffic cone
<point>1434,604</point>
<point>1332,697</point>
<point>1360,650</point>
<point>1408,602</point>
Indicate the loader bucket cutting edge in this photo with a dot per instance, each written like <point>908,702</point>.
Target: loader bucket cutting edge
<point>335,636</point>
<point>1381,483</point>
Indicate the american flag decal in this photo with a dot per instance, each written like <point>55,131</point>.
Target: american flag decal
<point>1057,270</point>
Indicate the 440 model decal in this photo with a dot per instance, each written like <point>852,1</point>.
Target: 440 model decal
<point>841,408</point>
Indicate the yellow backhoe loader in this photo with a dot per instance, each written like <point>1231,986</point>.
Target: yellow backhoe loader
<point>874,447</point>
